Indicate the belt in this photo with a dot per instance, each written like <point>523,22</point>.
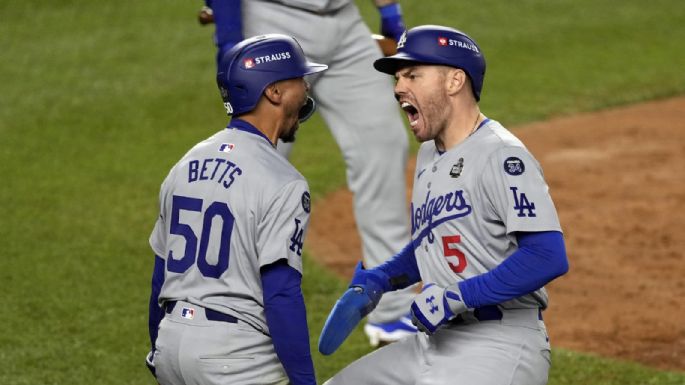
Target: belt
<point>485,313</point>
<point>212,315</point>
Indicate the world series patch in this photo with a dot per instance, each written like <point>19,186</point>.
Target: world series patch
<point>457,168</point>
<point>514,166</point>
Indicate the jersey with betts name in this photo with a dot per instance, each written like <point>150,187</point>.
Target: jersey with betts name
<point>231,205</point>
<point>468,203</point>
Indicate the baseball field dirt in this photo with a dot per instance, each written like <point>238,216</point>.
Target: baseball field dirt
<point>618,180</point>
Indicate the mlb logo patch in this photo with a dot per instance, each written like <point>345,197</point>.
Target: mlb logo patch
<point>248,63</point>
<point>442,41</point>
<point>188,313</point>
<point>226,147</point>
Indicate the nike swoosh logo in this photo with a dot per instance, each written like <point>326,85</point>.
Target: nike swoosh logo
<point>420,173</point>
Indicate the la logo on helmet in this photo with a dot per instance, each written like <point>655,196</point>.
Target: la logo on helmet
<point>403,39</point>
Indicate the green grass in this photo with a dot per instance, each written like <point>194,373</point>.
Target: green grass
<point>99,99</point>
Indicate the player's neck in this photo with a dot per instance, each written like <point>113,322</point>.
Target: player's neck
<point>266,124</point>
<point>461,125</point>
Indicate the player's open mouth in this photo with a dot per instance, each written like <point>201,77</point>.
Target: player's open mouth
<point>412,113</point>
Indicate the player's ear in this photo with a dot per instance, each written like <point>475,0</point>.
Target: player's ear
<point>274,93</point>
<point>455,80</point>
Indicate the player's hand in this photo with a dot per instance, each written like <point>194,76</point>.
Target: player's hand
<point>392,23</point>
<point>360,299</point>
<point>434,306</point>
<point>149,363</point>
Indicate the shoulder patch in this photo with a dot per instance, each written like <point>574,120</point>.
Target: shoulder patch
<point>514,166</point>
<point>306,202</point>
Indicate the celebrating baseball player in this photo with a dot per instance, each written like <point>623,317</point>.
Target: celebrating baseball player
<point>356,103</point>
<point>485,235</point>
<point>229,237</point>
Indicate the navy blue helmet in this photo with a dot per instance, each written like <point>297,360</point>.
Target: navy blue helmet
<point>250,66</point>
<point>434,44</point>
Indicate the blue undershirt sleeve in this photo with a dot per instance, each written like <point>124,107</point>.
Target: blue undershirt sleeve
<point>402,269</point>
<point>540,258</point>
<point>286,317</point>
<point>228,23</point>
<point>156,312</point>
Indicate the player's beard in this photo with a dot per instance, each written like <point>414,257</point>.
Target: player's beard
<point>293,114</point>
<point>289,136</point>
<point>434,114</point>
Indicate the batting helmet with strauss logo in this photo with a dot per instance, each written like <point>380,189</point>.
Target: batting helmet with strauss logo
<point>250,66</point>
<point>434,44</point>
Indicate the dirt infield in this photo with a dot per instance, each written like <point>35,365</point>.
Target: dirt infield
<point>618,181</point>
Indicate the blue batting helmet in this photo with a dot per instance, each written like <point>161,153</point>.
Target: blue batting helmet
<point>434,44</point>
<point>250,66</point>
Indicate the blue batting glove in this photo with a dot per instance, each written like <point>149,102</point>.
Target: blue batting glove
<point>435,305</point>
<point>373,281</point>
<point>360,299</point>
<point>392,23</point>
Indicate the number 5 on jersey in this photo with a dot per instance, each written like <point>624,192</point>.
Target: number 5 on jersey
<point>191,252</point>
<point>455,258</point>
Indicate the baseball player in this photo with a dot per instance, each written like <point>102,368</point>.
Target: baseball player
<point>485,235</point>
<point>229,237</point>
<point>356,103</point>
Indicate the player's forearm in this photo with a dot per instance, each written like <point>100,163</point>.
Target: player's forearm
<point>286,317</point>
<point>401,269</point>
<point>228,22</point>
<point>156,313</point>
<point>541,257</point>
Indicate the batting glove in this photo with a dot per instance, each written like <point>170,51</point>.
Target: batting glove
<point>360,299</point>
<point>148,362</point>
<point>435,306</point>
<point>392,23</point>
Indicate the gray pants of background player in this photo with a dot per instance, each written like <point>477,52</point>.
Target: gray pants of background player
<point>358,106</point>
<point>513,351</point>
<point>201,352</point>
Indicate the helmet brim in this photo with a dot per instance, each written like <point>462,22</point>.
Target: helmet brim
<point>391,64</point>
<point>312,68</point>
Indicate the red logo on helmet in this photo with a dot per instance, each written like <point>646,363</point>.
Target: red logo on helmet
<point>442,41</point>
<point>248,63</point>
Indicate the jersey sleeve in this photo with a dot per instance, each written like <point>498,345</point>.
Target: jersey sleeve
<point>517,192</point>
<point>282,230</point>
<point>159,232</point>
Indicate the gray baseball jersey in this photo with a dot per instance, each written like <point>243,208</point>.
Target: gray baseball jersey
<point>468,202</point>
<point>231,205</point>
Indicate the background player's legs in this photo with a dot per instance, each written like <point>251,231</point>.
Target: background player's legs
<point>357,103</point>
